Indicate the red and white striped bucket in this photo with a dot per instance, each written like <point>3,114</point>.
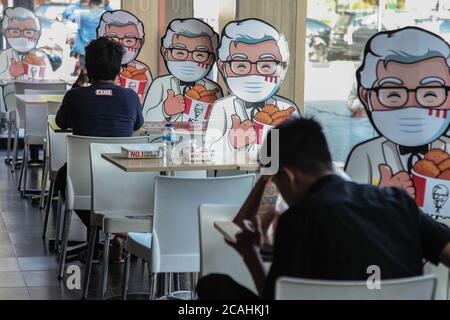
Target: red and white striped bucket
<point>432,195</point>
<point>137,86</point>
<point>34,72</point>
<point>196,110</point>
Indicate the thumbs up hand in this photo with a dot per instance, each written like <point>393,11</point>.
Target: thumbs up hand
<point>399,180</point>
<point>16,69</point>
<point>242,133</point>
<point>174,104</point>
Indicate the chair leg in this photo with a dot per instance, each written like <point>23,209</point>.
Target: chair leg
<point>126,275</point>
<point>44,183</point>
<point>22,168</point>
<point>48,206</point>
<point>88,267</point>
<point>193,286</point>
<point>9,142</point>
<point>59,213</point>
<point>105,266</point>
<point>65,239</point>
<point>15,151</point>
<point>152,285</point>
<point>25,174</point>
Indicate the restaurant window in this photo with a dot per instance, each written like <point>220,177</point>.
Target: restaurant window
<point>337,32</point>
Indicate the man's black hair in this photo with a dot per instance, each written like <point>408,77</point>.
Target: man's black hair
<point>302,146</point>
<point>103,59</point>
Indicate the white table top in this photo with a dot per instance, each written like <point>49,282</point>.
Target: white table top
<point>40,98</point>
<point>43,82</point>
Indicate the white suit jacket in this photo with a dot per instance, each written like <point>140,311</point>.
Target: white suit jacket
<point>219,124</point>
<point>153,109</point>
<point>364,161</point>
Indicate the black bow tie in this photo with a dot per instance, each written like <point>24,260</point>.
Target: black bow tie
<point>413,150</point>
<point>187,84</point>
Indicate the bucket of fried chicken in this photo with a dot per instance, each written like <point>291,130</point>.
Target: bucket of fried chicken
<point>34,66</point>
<point>198,103</point>
<point>270,117</point>
<point>431,177</point>
<point>135,79</point>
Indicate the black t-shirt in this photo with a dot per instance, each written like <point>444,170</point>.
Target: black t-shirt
<point>341,228</point>
<point>101,110</point>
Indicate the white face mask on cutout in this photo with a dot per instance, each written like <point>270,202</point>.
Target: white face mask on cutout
<point>22,45</point>
<point>188,71</point>
<point>130,54</point>
<point>253,88</point>
<point>412,126</point>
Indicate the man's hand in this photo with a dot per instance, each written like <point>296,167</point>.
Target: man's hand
<point>399,180</point>
<point>242,133</point>
<point>174,104</point>
<point>249,241</point>
<point>16,69</point>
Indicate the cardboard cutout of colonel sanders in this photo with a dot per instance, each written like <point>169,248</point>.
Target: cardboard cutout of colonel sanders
<point>188,48</point>
<point>253,59</point>
<point>403,85</point>
<point>126,29</point>
<point>22,30</point>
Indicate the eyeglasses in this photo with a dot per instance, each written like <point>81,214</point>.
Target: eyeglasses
<point>128,42</point>
<point>16,33</point>
<point>264,67</point>
<point>397,97</point>
<point>197,55</point>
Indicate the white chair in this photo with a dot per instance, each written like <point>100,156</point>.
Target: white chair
<point>79,183</point>
<point>16,123</point>
<point>416,288</point>
<point>57,146</point>
<point>174,246</point>
<point>216,256</point>
<point>134,198</point>
<point>35,125</point>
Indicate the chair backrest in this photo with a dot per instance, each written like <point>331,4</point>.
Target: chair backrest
<point>175,240</point>
<point>416,288</point>
<point>79,168</point>
<point>57,146</point>
<point>35,117</point>
<point>216,256</point>
<point>134,190</point>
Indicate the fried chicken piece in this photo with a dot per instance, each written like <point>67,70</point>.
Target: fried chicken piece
<point>127,74</point>
<point>208,99</point>
<point>427,168</point>
<point>264,118</point>
<point>444,165</point>
<point>206,93</point>
<point>271,109</point>
<point>140,77</point>
<point>445,175</point>
<point>199,88</point>
<point>193,94</point>
<point>139,72</point>
<point>437,155</point>
<point>282,114</point>
<point>279,121</point>
<point>131,69</point>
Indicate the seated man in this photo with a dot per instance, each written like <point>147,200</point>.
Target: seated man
<point>334,229</point>
<point>101,109</point>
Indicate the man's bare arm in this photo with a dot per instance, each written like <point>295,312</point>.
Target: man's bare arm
<point>250,208</point>
<point>444,257</point>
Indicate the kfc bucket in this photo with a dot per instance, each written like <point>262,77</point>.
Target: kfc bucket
<point>134,79</point>
<point>270,117</point>
<point>34,67</point>
<point>431,178</point>
<point>198,103</point>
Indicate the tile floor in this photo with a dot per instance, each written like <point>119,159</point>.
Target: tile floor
<point>28,268</point>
